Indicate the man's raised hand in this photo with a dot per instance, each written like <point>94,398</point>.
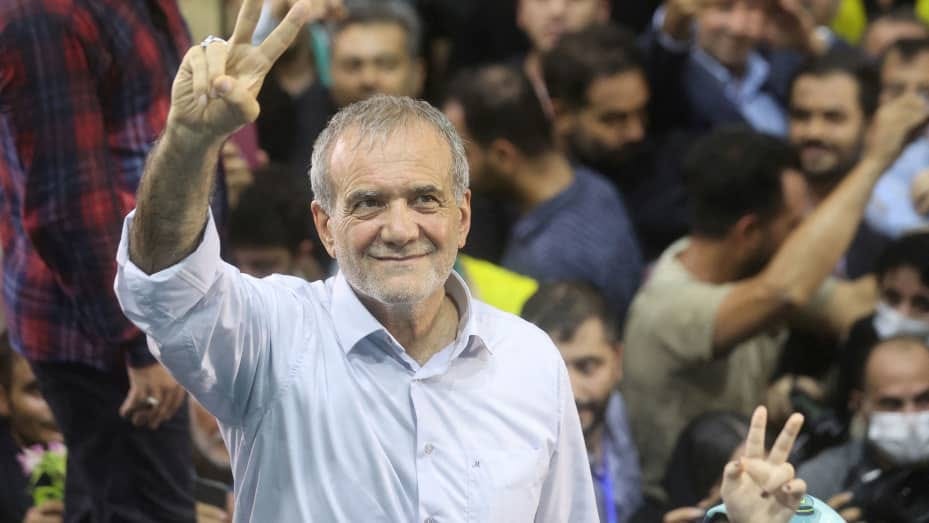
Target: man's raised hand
<point>215,91</point>
<point>762,488</point>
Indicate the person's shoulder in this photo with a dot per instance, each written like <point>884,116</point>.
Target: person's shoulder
<point>833,459</point>
<point>510,336</point>
<point>825,473</point>
<point>297,285</point>
<point>597,183</point>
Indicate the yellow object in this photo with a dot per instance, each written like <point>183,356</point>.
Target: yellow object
<point>922,10</point>
<point>850,21</point>
<point>494,285</point>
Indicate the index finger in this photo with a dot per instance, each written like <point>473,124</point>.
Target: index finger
<point>286,32</point>
<point>785,440</point>
<point>754,443</point>
<point>246,22</point>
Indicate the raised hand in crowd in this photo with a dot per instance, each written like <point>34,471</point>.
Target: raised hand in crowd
<point>51,511</point>
<point>793,25</point>
<point>762,488</point>
<point>895,124</point>
<point>214,94</point>
<point>679,16</point>
<point>216,88</point>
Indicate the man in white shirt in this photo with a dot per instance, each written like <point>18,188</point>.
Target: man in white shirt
<point>385,393</point>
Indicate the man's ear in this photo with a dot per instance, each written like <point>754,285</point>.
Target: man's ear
<point>748,230</point>
<point>5,409</point>
<point>323,223</point>
<point>564,120</point>
<point>855,400</point>
<point>618,369</point>
<point>464,223</point>
<point>419,76</point>
<point>503,156</point>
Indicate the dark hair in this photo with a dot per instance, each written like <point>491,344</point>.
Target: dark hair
<point>908,48</point>
<point>499,102</point>
<point>272,212</point>
<point>901,14</point>
<point>733,172</point>
<point>581,58</point>
<point>559,308</point>
<point>911,250</point>
<point>8,358</point>
<point>370,12</point>
<point>700,455</point>
<point>850,63</point>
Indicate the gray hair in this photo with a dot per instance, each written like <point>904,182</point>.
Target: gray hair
<point>364,12</point>
<point>376,119</point>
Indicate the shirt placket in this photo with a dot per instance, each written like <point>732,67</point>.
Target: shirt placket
<point>428,449</point>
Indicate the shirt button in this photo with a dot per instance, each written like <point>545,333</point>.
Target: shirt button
<point>428,448</point>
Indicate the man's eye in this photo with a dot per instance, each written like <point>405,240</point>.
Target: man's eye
<point>366,206</point>
<point>426,200</point>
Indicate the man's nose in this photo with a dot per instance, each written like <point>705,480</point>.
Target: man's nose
<point>746,22</point>
<point>634,131</point>
<point>399,226</point>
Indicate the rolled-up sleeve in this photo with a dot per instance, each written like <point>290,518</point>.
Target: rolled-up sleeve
<point>209,325</point>
<point>568,490</point>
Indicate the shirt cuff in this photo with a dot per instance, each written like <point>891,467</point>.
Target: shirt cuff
<point>152,301</point>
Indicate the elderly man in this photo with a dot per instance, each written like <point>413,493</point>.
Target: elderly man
<point>385,393</point>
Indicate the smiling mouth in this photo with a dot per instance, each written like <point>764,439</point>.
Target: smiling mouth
<point>399,259</point>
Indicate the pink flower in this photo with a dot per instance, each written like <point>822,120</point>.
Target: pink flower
<point>30,458</point>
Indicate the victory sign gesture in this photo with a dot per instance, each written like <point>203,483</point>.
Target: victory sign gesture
<point>762,488</point>
<point>216,87</point>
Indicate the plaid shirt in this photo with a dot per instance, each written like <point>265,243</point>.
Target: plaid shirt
<point>84,92</point>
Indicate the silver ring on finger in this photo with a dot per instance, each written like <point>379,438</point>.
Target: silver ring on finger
<point>211,39</point>
<point>152,401</point>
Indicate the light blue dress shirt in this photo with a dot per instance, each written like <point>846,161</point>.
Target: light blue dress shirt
<point>890,210</point>
<point>761,110</point>
<point>328,419</point>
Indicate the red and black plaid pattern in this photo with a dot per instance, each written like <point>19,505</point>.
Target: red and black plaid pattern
<point>84,92</point>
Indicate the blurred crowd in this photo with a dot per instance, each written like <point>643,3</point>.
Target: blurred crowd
<point>707,204</point>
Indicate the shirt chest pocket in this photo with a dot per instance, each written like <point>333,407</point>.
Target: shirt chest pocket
<point>505,485</point>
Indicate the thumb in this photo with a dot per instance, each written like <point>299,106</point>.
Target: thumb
<point>128,402</point>
<point>237,95</point>
<point>683,515</point>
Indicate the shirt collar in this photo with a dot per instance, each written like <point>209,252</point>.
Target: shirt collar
<point>756,74</point>
<point>354,322</point>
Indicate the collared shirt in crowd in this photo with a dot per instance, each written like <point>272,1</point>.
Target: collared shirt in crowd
<point>328,419</point>
<point>84,92</point>
<point>582,234</point>
<point>761,110</point>
<point>618,466</point>
<point>746,94</point>
<point>890,210</point>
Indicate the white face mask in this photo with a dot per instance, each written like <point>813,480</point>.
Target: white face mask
<point>888,322</point>
<point>901,437</point>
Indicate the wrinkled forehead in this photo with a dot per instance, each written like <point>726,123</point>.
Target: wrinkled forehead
<point>897,366</point>
<point>412,148</point>
<point>728,5</point>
